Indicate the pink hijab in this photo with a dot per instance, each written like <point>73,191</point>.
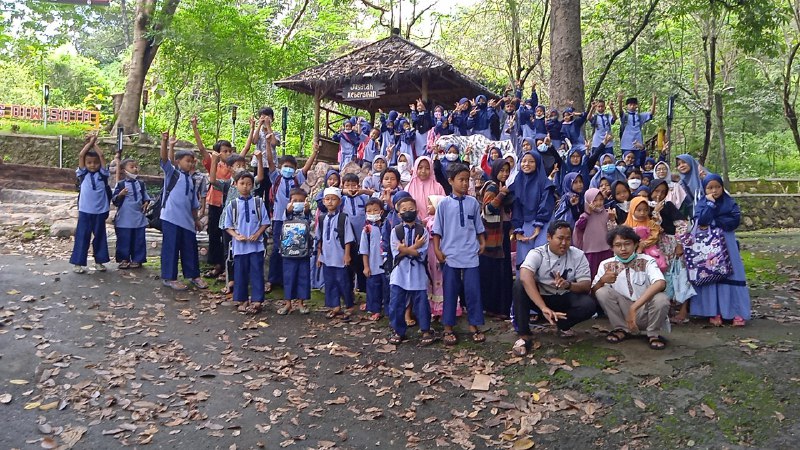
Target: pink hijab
<point>420,190</point>
<point>593,237</point>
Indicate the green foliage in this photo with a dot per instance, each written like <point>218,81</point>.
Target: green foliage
<point>37,128</point>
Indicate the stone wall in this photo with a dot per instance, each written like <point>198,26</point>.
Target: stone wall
<point>769,211</point>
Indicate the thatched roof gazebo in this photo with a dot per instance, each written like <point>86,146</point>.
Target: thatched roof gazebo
<point>388,74</point>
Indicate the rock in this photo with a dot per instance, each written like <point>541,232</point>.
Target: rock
<point>63,228</point>
<point>748,222</point>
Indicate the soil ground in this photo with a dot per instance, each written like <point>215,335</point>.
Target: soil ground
<point>105,360</point>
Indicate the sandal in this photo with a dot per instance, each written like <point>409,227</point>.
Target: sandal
<point>345,317</point>
<point>677,320</point>
<point>374,317</point>
<point>242,308</point>
<point>213,273</point>
<point>268,288</point>
<point>715,321</point>
<point>303,310</point>
<point>411,322</point>
<point>199,283</point>
<point>78,269</point>
<point>254,308</point>
<point>124,265</point>
<point>427,339</point>
<point>738,321</point>
<point>520,348</point>
<point>449,338</point>
<point>363,307</point>
<point>566,333</point>
<point>175,285</point>
<point>478,337</point>
<point>657,342</point>
<point>333,313</point>
<point>396,339</point>
<point>135,265</point>
<point>617,336</point>
<point>284,310</point>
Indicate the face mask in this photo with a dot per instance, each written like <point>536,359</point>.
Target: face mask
<point>237,170</point>
<point>298,207</point>
<point>131,176</point>
<point>408,216</point>
<point>608,168</point>
<point>626,260</point>
<point>287,172</point>
<point>373,217</point>
<point>437,115</point>
<point>402,166</point>
<point>539,116</point>
<point>542,148</point>
<point>634,183</point>
<point>451,156</point>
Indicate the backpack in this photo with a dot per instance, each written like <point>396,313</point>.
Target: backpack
<point>390,263</point>
<point>273,191</point>
<point>234,209</point>
<point>121,200</point>
<point>295,239</point>
<point>103,178</point>
<point>153,213</point>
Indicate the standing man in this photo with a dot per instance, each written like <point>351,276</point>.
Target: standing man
<point>555,278</point>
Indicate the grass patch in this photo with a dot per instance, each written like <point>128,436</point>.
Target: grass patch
<point>37,128</point>
<point>762,267</point>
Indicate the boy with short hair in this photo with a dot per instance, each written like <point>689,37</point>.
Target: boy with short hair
<point>94,202</point>
<point>131,199</point>
<point>408,281</point>
<point>632,123</point>
<point>458,239</point>
<point>335,237</point>
<point>246,219</point>
<point>354,203</point>
<point>601,122</point>
<point>373,258</point>
<point>295,246</point>
<point>179,220</point>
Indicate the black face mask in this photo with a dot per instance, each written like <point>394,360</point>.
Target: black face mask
<point>408,216</point>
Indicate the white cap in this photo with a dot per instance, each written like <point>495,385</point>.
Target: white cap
<point>332,191</point>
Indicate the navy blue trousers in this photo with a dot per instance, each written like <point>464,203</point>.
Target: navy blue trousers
<point>249,271</point>
<point>456,281</point>
<point>131,245</point>
<point>175,242</point>
<point>337,287</point>
<point>88,225</point>
<point>378,293</point>
<point>399,300</point>
<point>296,278</point>
<point>275,258</point>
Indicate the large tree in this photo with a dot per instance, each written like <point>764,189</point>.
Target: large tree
<point>566,57</point>
<point>150,21</point>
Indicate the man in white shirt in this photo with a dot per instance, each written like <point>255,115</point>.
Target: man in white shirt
<point>555,278</point>
<point>630,289</point>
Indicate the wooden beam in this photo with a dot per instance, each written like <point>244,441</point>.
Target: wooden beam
<point>317,100</point>
<point>424,90</point>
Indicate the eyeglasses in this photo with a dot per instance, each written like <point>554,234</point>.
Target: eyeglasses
<point>623,244</point>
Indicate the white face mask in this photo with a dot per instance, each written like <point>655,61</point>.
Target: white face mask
<point>402,166</point>
<point>131,176</point>
<point>373,217</point>
<point>451,156</point>
<point>238,170</point>
<point>634,183</point>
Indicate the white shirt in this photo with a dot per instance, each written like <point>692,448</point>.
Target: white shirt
<point>632,279</point>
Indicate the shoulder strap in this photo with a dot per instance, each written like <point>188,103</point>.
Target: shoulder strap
<point>235,211</point>
<point>398,232</point>
<point>340,222</point>
<point>141,189</point>
<point>170,186</point>
<point>259,202</point>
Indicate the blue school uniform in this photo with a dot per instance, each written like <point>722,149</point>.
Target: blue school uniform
<point>601,123</point>
<point>422,123</point>
<point>633,123</point>
<point>457,223</point>
<point>348,144</point>
<point>285,186</point>
<point>408,283</point>
<point>130,222</point>
<point>179,238</point>
<point>480,123</point>
<point>93,206</point>
<point>248,257</point>
<point>553,128</point>
<point>459,120</point>
<point>573,130</point>
<point>371,150</point>
<point>354,207</point>
<point>333,269</point>
<point>378,282</point>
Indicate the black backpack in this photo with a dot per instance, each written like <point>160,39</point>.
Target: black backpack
<point>118,201</point>
<point>399,233</point>
<point>159,200</point>
<point>103,178</point>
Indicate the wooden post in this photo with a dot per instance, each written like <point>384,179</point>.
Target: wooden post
<point>424,89</point>
<point>317,100</point>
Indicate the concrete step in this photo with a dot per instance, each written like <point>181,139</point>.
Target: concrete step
<point>37,197</point>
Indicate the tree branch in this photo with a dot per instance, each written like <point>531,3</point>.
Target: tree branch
<point>294,23</point>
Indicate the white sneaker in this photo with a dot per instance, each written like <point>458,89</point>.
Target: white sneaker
<point>99,267</point>
<point>78,269</point>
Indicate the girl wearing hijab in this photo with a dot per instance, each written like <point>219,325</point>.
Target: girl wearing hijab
<point>675,192</point>
<point>591,229</point>
<point>620,201</point>
<point>511,158</point>
<point>481,118</point>
<point>570,205</point>
<point>495,262</point>
<point>689,171</point>
<point>423,184</point>
<point>332,179</point>
<point>372,182</point>
<point>493,153</point>
<point>534,202</point>
<point>348,139</point>
<point>728,299</point>
<point>648,226</point>
<point>608,170</point>
<point>442,162</point>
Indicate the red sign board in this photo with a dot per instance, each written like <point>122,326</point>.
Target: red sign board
<point>53,114</point>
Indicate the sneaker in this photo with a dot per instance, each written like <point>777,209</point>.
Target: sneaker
<point>77,268</point>
<point>99,267</point>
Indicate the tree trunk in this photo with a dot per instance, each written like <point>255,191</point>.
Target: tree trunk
<point>723,155</point>
<point>146,40</point>
<point>789,111</point>
<point>566,57</point>
<point>711,82</point>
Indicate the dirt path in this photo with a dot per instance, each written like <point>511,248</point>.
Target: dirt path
<point>105,360</point>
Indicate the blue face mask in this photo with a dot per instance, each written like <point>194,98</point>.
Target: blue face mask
<point>608,168</point>
<point>542,148</point>
<point>287,172</point>
<point>298,207</point>
<point>626,260</point>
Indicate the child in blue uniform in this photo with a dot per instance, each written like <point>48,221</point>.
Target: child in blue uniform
<point>458,239</point>
<point>632,122</point>
<point>354,205</point>
<point>373,258</point>
<point>179,220</point>
<point>93,206</point>
<point>246,219</point>
<point>349,139</point>
<point>601,122</point>
<point>131,199</point>
<point>296,260</point>
<point>408,281</point>
<point>335,237</point>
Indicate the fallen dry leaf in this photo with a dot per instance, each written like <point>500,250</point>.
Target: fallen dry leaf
<point>18,382</point>
<point>707,411</point>
<point>639,404</point>
<point>523,444</point>
<point>49,442</point>
<point>481,382</point>
<point>5,399</point>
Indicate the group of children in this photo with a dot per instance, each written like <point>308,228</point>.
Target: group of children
<point>427,233</point>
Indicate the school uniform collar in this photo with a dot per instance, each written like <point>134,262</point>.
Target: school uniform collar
<point>461,219</point>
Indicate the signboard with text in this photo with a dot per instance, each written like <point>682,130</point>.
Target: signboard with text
<point>53,114</point>
<point>366,90</point>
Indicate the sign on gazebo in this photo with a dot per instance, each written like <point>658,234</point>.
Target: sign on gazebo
<point>366,90</point>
